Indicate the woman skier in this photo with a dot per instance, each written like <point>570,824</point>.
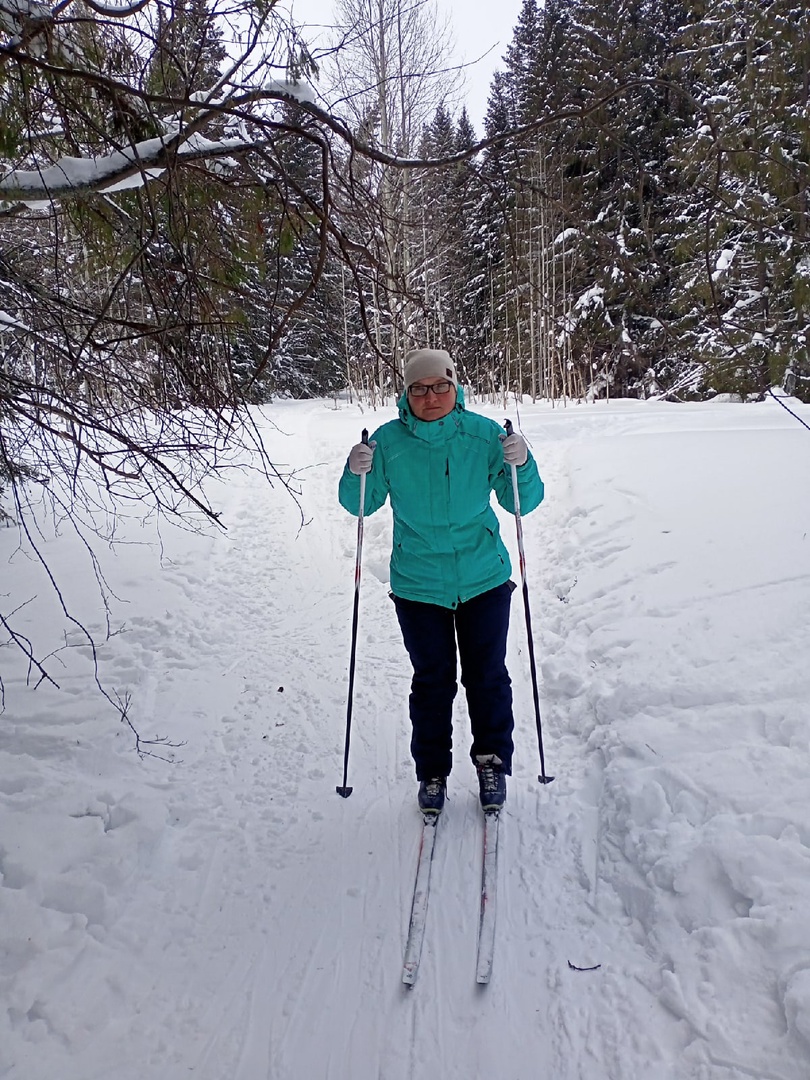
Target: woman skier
<point>439,463</point>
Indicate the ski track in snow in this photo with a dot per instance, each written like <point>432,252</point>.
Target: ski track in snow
<point>227,915</point>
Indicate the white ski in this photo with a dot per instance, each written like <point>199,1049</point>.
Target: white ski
<point>421,893</point>
<point>489,897</point>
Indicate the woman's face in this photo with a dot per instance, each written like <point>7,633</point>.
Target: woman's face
<point>432,406</point>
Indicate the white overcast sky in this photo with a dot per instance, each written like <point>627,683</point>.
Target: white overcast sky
<point>477,26</point>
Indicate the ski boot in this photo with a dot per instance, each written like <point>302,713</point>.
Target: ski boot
<point>491,782</point>
<point>431,795</point>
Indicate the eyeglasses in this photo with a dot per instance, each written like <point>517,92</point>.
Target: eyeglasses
<point>417,390</point>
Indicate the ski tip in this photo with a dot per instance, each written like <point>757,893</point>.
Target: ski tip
<point>344,792</point>
<point>545,779</point>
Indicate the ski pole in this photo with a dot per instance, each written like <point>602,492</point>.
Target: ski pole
<point>345,791</point>
<point>519,526</point>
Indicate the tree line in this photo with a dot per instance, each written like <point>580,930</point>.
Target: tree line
<point>636,222</point>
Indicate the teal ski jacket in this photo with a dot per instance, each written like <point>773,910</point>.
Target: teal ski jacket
<point>439,476</point>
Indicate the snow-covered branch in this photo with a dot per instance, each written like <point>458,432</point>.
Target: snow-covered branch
<point>136,165</point>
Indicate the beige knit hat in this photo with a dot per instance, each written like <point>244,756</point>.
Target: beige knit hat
<point>429,363</point>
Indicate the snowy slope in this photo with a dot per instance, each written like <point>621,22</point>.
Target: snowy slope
<point>226,915</point>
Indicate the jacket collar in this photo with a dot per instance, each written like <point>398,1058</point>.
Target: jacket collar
<point>432,430</point>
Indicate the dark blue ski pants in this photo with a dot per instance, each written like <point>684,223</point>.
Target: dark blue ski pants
<point>431,633</point>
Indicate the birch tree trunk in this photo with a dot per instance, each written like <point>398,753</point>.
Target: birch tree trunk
<point>382,44</point>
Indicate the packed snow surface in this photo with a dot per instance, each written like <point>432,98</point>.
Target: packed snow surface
<point>226,916</point>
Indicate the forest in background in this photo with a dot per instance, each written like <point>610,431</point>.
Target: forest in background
<point>635,222</point>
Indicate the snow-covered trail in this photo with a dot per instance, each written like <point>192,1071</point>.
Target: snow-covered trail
<point>230,916</point>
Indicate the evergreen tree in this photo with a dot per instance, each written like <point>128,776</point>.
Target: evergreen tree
<point>309,359</point>
<point>739,290</point>
<point>189,51</point>
<point>470,258</point>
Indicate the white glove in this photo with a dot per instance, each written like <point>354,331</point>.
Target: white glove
<point>360,457</point>
<point>515,450</point>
